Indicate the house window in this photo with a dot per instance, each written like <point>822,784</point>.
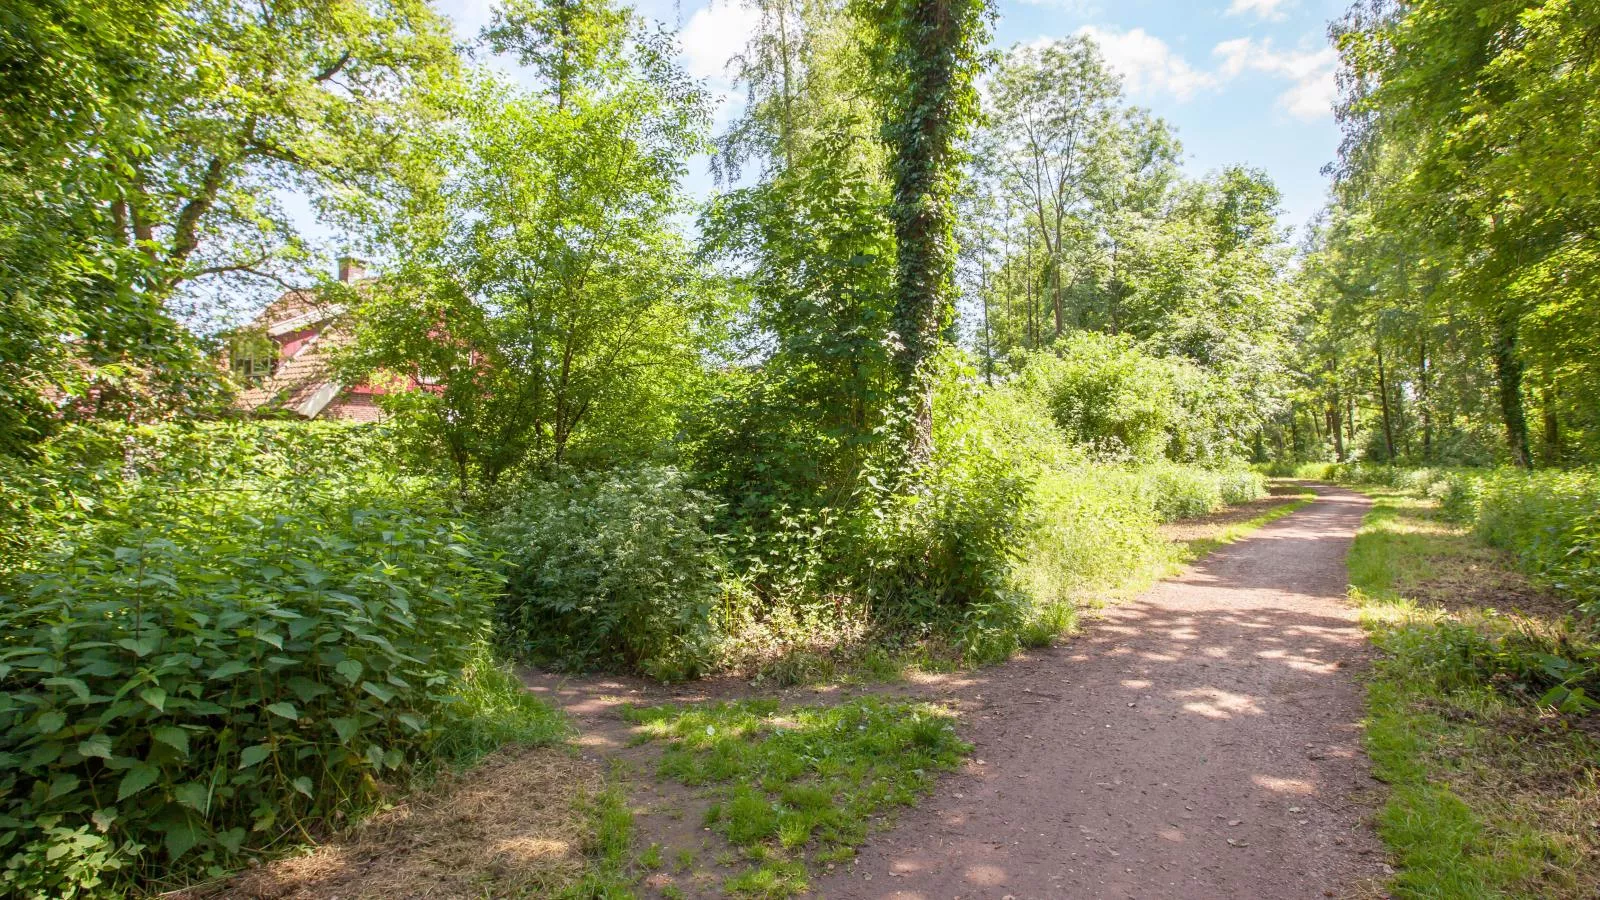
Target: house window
<point>253,358</point>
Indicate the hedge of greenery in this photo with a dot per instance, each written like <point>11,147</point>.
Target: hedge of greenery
<point>221,650</point>
<point>1549,520</point>
<point>612,568</point>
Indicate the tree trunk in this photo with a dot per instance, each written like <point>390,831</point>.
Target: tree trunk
<point>1508,374</point>
<point>1551,422</point>
<point>1425,396</point>
<point>1383,394</point>
<point>988,340</point>
<point>1055,278</point>
<point>1335,427</point>
<point>934,47</point>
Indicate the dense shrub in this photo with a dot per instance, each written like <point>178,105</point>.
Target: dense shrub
<point>1107,395</point>
<point>47,501</point>
<point>1119,401</point>
<point>1550,521</point>
<point>193,671</point>
<point>612,568</point>
<point>1091,527</point>
<point>1186,492</point>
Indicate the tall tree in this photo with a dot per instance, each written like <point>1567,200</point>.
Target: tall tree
<point>539,287</point>
<point>148,145</point>
<point>927,61</point>
<point>1052,109</point>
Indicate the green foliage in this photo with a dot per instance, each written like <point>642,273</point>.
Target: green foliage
<point>926,57</point>
<point>1550,521</point>
<point>539,285</point>
<point>1106,395</point>
<point>1188,492</point>
<point>941,556</point>
<point>146,147</point>
<point>191,673</point>
<point>611,568</point>
<point>1460,719</point>
<point>1121,401</point>
<point>802,783</point>
<point>1092,526</point>
<point>1457,269</point>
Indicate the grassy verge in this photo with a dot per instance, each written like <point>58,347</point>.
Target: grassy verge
<point>1492,794</point>
<point>792,787</point>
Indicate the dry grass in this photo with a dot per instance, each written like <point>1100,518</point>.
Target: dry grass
<point>515,825</point>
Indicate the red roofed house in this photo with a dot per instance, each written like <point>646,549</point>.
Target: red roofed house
<point>291,369</point>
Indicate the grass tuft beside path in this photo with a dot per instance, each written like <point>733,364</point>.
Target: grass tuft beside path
<point>792,786</point>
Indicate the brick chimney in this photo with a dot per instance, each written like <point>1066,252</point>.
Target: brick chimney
<point>351,269</point>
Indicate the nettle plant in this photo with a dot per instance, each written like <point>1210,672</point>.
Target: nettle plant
<point>205,671</point>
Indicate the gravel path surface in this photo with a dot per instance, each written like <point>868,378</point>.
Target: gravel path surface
<point>1200,741</point>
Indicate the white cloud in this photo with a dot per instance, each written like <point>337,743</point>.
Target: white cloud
<point>1314,90</point>
<point>715,35</point>
<point>1147,64</point>
<point>1264,9</point>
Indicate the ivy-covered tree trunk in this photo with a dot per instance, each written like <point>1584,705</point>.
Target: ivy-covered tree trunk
<point>1508,376</point>
<point>927,61</point>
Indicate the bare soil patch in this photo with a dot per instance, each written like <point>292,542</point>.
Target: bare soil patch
<point>515,825</point>
<point>1483,580</point>
<point>1281,494</point>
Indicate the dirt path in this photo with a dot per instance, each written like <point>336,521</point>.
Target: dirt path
<point>1200,741</point>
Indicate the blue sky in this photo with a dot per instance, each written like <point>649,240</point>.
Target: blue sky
<point>1243,81</point>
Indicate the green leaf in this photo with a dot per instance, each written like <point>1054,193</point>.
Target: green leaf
<point>97,746</point>
<point>141,776</point>
<point>181,838</point>
<point>51,722</point>
<point>77,686</point>
<point>303,785</point>
<point>229,669</point>
<point>155,697</point>
<point>103,819</point>
<point>285,709</point>
<point>195,795</point>
<point>350,669</point>
<point>383,693</point>
<point>141,647</point>
<point>232,839</point>
<point>251,756</point>
<point>173,737</point>
<point>345,727</point>
<point>63,785</point>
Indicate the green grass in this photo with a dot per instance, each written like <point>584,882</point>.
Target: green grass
<point>1489,795</point>
<point>610,875</point>
<point>805,784</point>
<point>497,710</point>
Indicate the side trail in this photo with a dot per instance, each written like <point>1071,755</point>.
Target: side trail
<point>1200,741</point>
